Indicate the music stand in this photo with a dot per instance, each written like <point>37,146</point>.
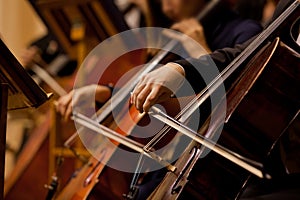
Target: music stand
<point>18,90</point>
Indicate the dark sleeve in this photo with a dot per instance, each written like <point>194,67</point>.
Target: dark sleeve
<point>204,67</point>
<point>196,68</point>
<point>245,30</point>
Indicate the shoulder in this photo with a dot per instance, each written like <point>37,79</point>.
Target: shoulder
<point>245,25</point>
<point>248,23</point>
<point>236,29</point>
<point>243,29</point>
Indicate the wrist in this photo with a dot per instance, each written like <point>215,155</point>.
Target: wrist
<point>103,93</point>
<point>177,67</point>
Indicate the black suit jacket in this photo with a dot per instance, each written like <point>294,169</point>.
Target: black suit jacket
<point>219,58</point>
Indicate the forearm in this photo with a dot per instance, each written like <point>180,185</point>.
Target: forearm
<point>102,94</point>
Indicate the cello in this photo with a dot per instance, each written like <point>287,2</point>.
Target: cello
<point>252,124</point>
<point>87,178</point>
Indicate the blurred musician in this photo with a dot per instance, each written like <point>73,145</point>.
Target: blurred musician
<point>222,32</point>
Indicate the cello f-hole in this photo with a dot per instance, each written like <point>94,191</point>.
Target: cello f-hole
<point>176,187</point>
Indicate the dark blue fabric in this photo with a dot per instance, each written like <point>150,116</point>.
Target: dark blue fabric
<point>223,56</point>
<point>229,29</point>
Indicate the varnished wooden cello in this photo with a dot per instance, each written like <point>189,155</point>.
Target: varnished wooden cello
<point>91,174</point>
<point>261,105</point>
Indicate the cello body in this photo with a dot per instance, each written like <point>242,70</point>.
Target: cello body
<point>261,104</point>
<point>252,131</point>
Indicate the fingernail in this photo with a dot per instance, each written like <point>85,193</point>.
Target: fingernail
<point>131,98</point>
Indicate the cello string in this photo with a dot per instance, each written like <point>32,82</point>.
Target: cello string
<point>137,171</point>
<point>217,81</point>
<point>196,102</point>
